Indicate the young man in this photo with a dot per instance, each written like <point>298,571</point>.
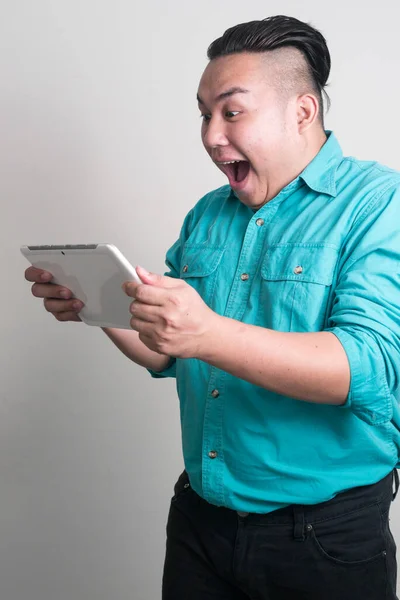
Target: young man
<point>280,319</point>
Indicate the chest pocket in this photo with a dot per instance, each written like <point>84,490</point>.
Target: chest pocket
<point>199,268</point>
<point>296,281</point>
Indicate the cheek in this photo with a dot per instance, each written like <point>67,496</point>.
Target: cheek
<point>203,130</point>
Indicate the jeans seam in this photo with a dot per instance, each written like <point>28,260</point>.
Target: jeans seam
<point>377,501</point>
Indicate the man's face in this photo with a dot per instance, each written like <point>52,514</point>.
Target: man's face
<point>245,119</point>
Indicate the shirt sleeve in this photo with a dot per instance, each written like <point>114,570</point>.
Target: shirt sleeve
<point>366,308</point>
<point>173,262</point>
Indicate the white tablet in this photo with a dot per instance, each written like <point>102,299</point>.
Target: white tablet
<point>94,273</point>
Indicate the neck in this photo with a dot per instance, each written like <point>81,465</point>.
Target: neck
<point>296,164</point>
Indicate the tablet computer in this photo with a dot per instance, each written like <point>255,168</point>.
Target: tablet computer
<point>94,273</point>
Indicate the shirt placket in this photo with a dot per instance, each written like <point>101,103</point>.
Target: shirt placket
<point>216,401</point>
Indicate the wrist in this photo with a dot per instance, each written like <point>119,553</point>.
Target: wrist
<point>210,338</point>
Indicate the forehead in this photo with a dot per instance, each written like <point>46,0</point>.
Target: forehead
<point>236,70</point>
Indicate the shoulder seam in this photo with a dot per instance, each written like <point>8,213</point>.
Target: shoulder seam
<point>374,200</point>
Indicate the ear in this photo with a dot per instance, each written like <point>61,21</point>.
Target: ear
<point>307,111</point>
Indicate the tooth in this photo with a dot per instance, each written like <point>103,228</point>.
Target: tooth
<point>229,162</point>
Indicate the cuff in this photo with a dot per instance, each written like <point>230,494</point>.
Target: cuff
<point>369,396</point>
<point>169,371</point>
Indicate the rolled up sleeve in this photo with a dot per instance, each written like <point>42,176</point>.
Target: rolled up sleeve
<point>365,314</point>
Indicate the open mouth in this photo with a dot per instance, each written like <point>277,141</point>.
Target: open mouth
<point>236,171</point>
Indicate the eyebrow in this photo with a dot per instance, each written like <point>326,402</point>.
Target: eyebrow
<point>226,94</point>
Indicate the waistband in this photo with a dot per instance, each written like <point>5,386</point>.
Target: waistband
<point>353,499</point>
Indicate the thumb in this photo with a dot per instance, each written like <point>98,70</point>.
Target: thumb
<point>153,278</point>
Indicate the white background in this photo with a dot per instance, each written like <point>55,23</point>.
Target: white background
<point>100,142</point>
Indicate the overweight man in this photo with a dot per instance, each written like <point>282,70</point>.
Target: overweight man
<point>279,316</point>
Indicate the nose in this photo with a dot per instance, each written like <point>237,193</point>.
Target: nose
<point>214,134</point>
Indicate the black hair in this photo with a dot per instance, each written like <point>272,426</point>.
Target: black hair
<point>278,32</point>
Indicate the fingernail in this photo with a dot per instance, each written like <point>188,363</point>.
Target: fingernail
<point>45,276</point>
<point>143,269</point>
<point>76,305</point>
<point>64,294</point>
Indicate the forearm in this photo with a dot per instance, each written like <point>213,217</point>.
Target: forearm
<point>306,366</point>
<point>128,342</point>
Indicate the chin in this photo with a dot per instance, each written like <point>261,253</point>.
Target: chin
<point>249,199</point>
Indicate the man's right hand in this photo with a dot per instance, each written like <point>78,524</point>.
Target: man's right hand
<point>57,299</point>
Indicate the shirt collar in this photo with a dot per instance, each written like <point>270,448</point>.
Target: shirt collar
<point>320,173</point>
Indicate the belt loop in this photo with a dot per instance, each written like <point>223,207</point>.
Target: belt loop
<point>396,483</point>
<point>298,519</point>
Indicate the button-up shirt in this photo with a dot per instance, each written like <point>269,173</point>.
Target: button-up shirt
<point>323,255</point>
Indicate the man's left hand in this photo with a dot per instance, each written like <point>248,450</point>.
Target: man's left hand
<point>170,316</point>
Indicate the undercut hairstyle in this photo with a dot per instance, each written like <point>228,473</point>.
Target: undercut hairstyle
<point>306,68</point>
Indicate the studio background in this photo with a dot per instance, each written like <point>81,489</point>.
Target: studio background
<point>100,142</point>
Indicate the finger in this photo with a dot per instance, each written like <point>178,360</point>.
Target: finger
<point>155,279</point>
<point>145,312</point>
<point>142,326</point>
<point>129,287</point>
<point>67,316</point>
<point>37,275</point>
<point>61,306</point>
<point>148,341</point>
<point>149,294</point>
<point>50,290</point>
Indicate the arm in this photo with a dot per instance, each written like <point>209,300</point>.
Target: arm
<point>130,345</point>
<point>356,361</point>
<point>158,364</point>
<point>306,366</point>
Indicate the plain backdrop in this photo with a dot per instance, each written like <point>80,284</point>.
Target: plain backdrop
<point>100,142</point>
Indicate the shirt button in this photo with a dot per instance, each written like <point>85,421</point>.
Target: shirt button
<point>215,393</point>
<point>298,270</point>
<point>185,268</point>
<point>244,276</point>
<point>213,454</point>
<point>260,222</point>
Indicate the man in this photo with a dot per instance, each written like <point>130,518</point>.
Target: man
<point>280,319</point>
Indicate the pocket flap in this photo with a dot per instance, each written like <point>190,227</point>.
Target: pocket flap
<point>312,263</point>
<point>199,261</point>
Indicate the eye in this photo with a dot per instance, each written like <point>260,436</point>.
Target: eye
<point>205,118</point>
<point>232,113</point>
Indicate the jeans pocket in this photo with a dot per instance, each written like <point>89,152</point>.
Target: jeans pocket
<point>354,538</point>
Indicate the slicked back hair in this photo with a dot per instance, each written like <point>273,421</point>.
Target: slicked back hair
<point>278,32</point>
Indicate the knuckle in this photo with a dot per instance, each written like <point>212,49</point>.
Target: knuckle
<point>169,320</point>
<point>161,347</point>
<point>175,300</point>
<point>163,336</point>
<point>140,293</point>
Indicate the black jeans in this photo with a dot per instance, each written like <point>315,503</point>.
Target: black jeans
<point>337,550</point>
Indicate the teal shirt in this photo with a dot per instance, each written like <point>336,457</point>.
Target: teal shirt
<point>323,255</point>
